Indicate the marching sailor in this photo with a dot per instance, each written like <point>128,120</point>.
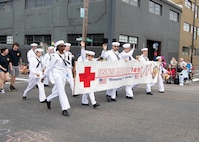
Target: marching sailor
<point>144,57</point>
<point>69,74</point>
<point>111,55</point>
<point>31,52</point>
<point>89,56</point>
<point>161,71</point>
<point>36,73</point>
<point>47,60</point>
<point>126,55</point>
<point>58,66</point>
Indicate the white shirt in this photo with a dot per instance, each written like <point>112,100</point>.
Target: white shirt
<point>30,54</point>
<point>127,55</point>
<point>57,66</point>
<point>47,58</point>
<point>69,57</point>
<point>111,55</point>
<point>35,66</point>
<point>143,58</point>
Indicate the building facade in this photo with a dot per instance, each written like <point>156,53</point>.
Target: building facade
<point>189,37</point>
<point>154,24</point>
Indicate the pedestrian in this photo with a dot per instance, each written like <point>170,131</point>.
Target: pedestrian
<point>89,56</point>
<point>144,57</point>
<point>35,75</point>
<point>70,59</point>
<point>111,55</point>
<point>31,52</point>
<point>16,60</point>
<point>58,66</point>
<point>5,62</point>
<point>47,60</point>
<point>127,55</point>
<point>160,75</point>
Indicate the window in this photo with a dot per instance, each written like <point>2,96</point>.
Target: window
<point>37,38</point>
<point>6,39</point>
<point>37,3</point>
<point>187,27</point>
<point>129,39</point>
<point>185,50</point>
<point>9,40</point>
<point>6,6</point>
<point>97,39</point>
<point>132,2</point>
<point>3,39</point>
<point>196,10</point>
<point>155,8</point>
<point>188,4</point>
<point>174,16</point>
<point>79,1</point>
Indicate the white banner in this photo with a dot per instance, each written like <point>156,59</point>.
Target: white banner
<point>93,76</point>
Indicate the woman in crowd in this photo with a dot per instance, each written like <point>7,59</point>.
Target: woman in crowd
<point>4,65</point>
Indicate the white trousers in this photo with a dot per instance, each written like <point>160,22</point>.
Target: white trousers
<point>49,78</point>
<point>129,91</point>
<point>70,79</point>
<point>85,98</point>
<point>59,90</point>
<point>112,93</point>
<point>160,85</point>
<point>32,82</point>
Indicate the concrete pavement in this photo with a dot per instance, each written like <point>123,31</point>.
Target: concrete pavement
<point>169,117</point>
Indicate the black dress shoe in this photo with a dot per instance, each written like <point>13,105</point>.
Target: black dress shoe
<point>96,105</point>
<point>65,113</point>
<point>85,104</point>
<point>127,97</point>
<point>43,101</point>
<point>75,95</point>
<point>48,104</point>
<point>108,98</point>
<point>113,100</point>
<point>161,91</point>
<point>149,93</point>
<point>24,98</point>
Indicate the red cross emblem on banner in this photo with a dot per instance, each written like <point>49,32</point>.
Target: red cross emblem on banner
<point>87,77</point>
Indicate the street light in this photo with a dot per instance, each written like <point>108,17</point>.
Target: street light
<point>192,45</point>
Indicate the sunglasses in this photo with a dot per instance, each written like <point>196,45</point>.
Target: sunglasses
<point>116,46</point>
<point>90,55</point>
<point>62,46</point>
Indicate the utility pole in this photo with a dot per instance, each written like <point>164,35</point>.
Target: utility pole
<point>192,45</point>
<point>85,20</point>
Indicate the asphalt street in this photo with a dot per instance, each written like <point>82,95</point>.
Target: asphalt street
<point>172,116</point>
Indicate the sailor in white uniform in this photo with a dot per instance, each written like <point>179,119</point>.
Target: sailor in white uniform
<point>161,71</point>
<point>144,57</point>
<point>88,56</point>
<point>31,52</point>
<point>47,60</point>
<point>127,55</point>
<point>35,75</point>
<point>58,66</point>
<point>69,74</point>
<point>111,55</point>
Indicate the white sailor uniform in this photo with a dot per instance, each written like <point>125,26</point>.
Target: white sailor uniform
<point>30,54</point>
<point>47,60</point>
<point>148,85</point>
<point>111,55</point>
<point>35,66</point>
<point>91,94</point>
<point>69,74</point>
<point>127,57</point>
<point>58,66</point>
